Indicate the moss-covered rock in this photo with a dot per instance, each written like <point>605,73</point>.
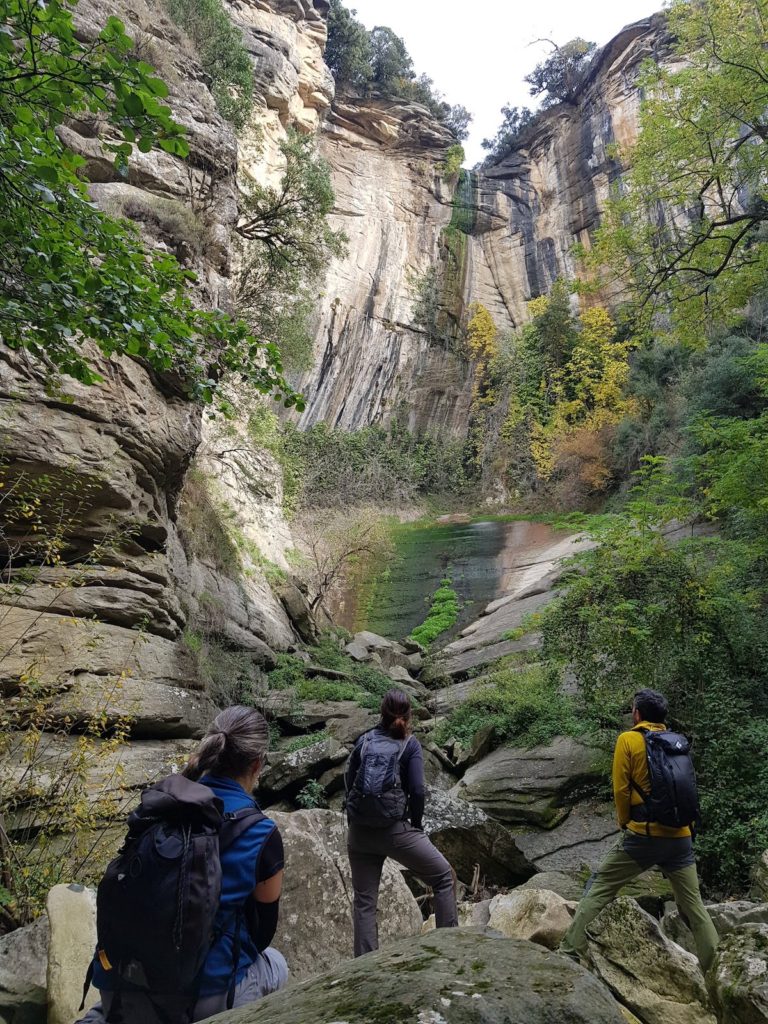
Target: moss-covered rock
<point>445,977</point>
<point>738,979</point>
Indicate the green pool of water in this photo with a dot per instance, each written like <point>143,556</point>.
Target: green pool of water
<point>479,557</point>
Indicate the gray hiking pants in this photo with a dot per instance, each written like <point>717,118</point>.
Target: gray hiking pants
<point>368,848</point>
<point>268,974</point>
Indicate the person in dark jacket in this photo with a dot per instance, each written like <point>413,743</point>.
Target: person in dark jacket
<point>404,840</point>
<point>229,760</point>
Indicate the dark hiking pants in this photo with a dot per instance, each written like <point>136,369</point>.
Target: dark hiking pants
<point>632,855</point>
<point>368,849</point>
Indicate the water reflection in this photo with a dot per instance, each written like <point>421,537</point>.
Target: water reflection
<point>485,560</point>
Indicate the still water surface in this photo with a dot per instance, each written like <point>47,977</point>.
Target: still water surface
<point>483,560</point>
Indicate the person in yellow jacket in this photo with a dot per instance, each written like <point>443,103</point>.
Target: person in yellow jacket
<point>644,844</point>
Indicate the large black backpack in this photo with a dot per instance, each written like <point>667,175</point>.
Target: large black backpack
<point>673,799</point>
<point>376,798</point>
<point>157,903</point>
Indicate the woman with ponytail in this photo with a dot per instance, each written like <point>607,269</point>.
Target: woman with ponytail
<point>229,760</point>
<point>239,966</point>
<point>385,806</point>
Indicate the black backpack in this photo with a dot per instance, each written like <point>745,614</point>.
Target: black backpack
<point>157,903</point>
<point>376,798</point>
<point>674,798</point>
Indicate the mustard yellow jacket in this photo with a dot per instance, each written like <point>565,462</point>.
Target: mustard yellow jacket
<point>630,765</point>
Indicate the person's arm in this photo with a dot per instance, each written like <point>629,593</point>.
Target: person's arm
<point>415,783</point>
<point>263,906</point>
<point>622,785</point>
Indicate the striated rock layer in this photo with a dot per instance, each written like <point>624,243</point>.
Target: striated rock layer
<point>512,231</point>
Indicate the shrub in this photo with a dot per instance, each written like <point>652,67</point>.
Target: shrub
<point>454,158</point>
<point>312,796</point>
<point>302,742</point>
<point>524,707</point>
<point>443,613</point>
<point>222,53</point>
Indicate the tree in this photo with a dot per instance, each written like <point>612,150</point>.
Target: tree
<point>457,121</point>
<point>686,229</point>
<point>391,62</point>
<point>515,119</point>
<point>287,244</point>
<point>222,53</point>
<point>348,52</point>
<point>67,272</point>
<point>558,75</point>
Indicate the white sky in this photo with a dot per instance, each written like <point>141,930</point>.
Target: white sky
<point>477,51</point>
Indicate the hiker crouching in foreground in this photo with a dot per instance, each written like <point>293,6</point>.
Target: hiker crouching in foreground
<point>385,802</point>
<point>187,910</point>
<point>654,788</point>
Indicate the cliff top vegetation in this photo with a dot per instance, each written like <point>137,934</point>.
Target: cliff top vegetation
<point>378,62</point>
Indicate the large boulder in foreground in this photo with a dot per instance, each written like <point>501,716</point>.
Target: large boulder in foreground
<point>531,787</point>
<point>738,979</point>
<point>467,836</point>
<point>315,929</point>
<point>660,982</point>
<point>446,977</point>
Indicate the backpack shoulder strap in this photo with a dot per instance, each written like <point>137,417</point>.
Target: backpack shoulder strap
<point>403,746</point>
<point>237,823</point>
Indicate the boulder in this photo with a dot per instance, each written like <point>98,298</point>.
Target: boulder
<point>738,979</point>
<point>471,915</point>
<point>72,917</point>
<point>538,915</point>
<point>726,917</point>
<point>23,966</point>
<point>298,611</point>
<point>315,929</point>
<point>657,980</point>
<point>287,774</point>
<point>535,786</point>
<point>445,977</point>
<point>469,837</point>
<point>564,885</point>
<point>579,842</point>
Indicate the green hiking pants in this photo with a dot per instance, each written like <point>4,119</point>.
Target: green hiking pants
<point>632,855</point>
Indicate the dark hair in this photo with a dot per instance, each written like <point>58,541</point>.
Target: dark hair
<point>396,714</point>
<point>652,705</point>
<point>238,737</point>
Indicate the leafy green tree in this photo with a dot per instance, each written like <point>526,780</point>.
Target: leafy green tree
<point>222,52</point>
<point>556,77</point>
<point>67,272</point>
<point>686,231</point>
<point>390,60</point>
<point>515,119</point>
<point>457,120</point>
<point>287,244</point>
<point>348,53</point>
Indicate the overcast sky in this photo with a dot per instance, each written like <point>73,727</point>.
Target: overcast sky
<point>477,51</point>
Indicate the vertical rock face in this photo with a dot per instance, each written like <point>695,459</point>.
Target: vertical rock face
<point>546,196</point>
<point>523,217</point>
<point>371,363</point>
<point>104,630</point>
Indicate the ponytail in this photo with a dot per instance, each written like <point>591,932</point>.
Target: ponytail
<point>237,737</point>
<point>396,714</point>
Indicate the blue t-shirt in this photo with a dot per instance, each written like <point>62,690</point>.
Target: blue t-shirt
<point>239,867</point>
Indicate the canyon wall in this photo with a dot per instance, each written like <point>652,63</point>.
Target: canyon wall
<point>127,624</point>
<point>521,219</point>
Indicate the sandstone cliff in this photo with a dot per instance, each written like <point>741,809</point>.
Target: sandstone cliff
<point>119,625</point>
<point>520,220</point>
